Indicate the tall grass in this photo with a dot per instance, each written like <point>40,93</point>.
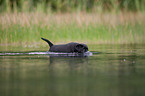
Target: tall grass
<point>71,5</point>
<point>28,28</point>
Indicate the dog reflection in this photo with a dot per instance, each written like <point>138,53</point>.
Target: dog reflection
<point>67,62</point>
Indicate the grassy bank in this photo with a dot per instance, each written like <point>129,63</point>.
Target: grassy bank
<point>28,28</point>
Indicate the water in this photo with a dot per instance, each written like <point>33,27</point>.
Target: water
<point>112,70</point>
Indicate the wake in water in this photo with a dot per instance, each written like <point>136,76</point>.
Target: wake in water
<point>47,53</point>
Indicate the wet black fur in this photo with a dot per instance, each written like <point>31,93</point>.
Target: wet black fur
<point>67,48</point>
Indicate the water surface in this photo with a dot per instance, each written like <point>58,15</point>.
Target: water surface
<point>112,70</point>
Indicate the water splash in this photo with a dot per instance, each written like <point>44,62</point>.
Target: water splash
<point>71,54</point>
<point>46,53</point>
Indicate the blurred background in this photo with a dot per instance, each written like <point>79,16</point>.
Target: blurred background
<point>71,5</point>
<point>23,22</point>
<point>114,31</point>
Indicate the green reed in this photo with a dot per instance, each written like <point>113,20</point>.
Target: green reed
<point>28,28</point>
<point>121,34</point>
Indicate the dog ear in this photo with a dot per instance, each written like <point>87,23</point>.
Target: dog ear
<point>79,48</point>
<point>85,47</point>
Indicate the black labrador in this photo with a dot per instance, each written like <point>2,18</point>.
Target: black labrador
<point>67,48</point>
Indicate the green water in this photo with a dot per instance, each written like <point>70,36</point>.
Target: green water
<point>117,70</point>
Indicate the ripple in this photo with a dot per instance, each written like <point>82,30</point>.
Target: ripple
<point>46,53</point>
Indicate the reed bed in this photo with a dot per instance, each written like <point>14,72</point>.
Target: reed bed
<point>28,28</point>
<point>41,19</point>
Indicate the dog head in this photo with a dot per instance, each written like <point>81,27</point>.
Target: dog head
<point>81,48</point>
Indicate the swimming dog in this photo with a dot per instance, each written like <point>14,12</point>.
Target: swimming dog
<point>67,48</point>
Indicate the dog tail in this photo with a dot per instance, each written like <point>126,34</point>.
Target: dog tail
<point>50,44</point>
